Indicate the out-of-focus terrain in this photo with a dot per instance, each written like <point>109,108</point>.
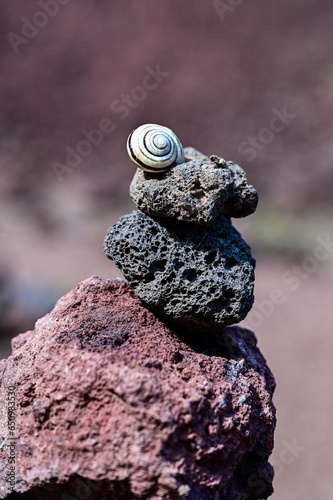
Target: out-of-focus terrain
<point>223,74</point>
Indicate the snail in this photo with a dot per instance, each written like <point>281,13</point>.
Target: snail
<point>154,148</point>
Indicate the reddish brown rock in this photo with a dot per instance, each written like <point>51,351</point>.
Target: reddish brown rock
<point>111,403</point>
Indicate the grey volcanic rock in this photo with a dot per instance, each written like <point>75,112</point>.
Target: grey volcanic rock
<point>113,404</point>
<point>195,191</point>
<point>199,276</point>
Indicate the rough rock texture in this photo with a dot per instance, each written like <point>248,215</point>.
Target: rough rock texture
<point>199,276</point>
<point>195,191</point>
<point>112,404</point>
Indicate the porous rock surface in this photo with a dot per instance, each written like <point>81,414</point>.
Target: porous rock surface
<point>113,404</point>
<point>199,276</point>
<point>195,191</point>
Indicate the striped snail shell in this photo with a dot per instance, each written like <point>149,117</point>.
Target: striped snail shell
<point>154,148</point>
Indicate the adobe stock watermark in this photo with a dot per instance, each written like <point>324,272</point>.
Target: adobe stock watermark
<point>223,8</point>
<point>30,27</point>
<point>287,456</point>
<point>265,136</point>
<point>122,107</point>
<point>292,280</point>
<point>11,476</point>
<point>150,81</point>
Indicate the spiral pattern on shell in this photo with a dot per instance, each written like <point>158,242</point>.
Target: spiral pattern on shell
<point>154,148</point>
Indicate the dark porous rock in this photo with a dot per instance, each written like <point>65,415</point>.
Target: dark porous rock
<point>199,276</point>
<point>112,404</point>
<point>197,191</point>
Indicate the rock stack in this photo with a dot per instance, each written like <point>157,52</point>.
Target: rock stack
<point>111,402</point>
<point>179,251</point>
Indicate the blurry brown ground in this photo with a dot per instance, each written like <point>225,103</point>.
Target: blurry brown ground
<point>225,79</point>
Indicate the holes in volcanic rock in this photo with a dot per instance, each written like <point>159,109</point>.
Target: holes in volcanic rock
<point>177,265</point>
<point>190,275</point>
<point>177,357</point>
<point>157,266</point>
<point>230,262</point>
<point>149,277</point>
<point>197,184</point>
<point>211,257</point>
<point>229,294</point>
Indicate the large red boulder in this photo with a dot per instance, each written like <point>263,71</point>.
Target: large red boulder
<point>112,403</point>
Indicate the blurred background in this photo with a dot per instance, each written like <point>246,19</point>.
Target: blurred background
<point>249,81</point>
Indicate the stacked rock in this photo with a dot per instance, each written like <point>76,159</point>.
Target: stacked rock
<point>179,251</point>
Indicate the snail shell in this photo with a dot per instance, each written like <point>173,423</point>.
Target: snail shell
<point>154,148</point>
